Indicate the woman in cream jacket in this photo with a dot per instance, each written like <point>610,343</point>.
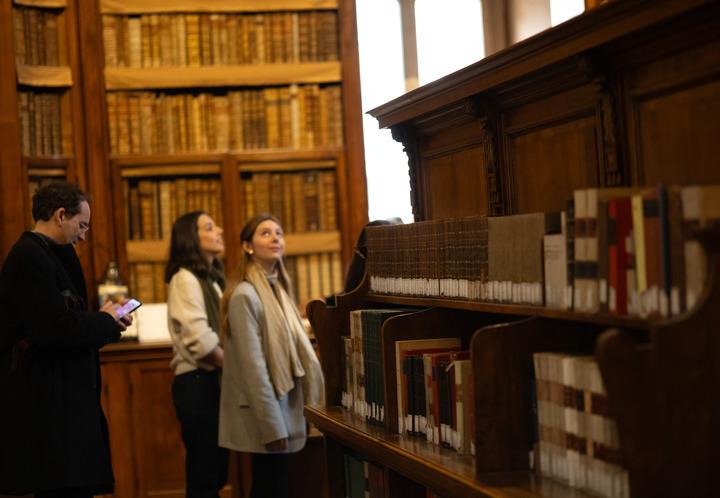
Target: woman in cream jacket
<point>195,281</point>
<point>270,369</point>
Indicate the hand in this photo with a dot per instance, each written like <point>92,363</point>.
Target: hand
<point>277,445</point>
<point>112,309</point>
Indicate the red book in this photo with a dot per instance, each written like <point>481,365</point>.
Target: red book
<point>620,225</point>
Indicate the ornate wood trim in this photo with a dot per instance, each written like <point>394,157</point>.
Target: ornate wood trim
<point>611,173</point>
<point>493,176</point>
<point>403,135</point>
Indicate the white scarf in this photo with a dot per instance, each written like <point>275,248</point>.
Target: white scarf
<point>288,351</point>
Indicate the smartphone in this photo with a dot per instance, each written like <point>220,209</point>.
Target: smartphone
<point>128,307</point>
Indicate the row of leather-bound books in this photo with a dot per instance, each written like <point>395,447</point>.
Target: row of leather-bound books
<point>41,128</point>
<point>153,205</point>
<point>303,201</point>
<point>575,440</point>
<point>313,276</point>
<point>625,251</point>
<point>36,36</point>
<point>284,117</point>
<point>434,381</point>
<point>199,39</point>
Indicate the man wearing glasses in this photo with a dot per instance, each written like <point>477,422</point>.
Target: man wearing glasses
<point>53,433</point>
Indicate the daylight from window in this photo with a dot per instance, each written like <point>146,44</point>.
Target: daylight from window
<point>381,76</point>
<point>562,10</point>
<point>449,36</point>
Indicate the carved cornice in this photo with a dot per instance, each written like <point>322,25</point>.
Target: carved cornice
<point>493,175</point>
<point>594,68</point>
<point>405,136</point>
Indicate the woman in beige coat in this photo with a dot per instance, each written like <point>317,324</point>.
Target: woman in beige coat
<point>270,369</point>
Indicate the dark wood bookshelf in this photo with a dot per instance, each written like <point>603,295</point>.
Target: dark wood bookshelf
<point>626,94</point>
<point>628,322</point>
<point>439,469</point>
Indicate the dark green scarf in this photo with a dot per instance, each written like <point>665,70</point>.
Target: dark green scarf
<point>210,296</point>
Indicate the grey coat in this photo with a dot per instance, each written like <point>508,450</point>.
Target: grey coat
<point>250,413</point>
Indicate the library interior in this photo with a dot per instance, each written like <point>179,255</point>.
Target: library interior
<point>504,258</point>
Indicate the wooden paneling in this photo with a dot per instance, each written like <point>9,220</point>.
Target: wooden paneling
<point>145,439</point>
<point>459,178</point>
<point>675,120</point>
<point>677,136</point>
<point>156,436</point>
<point>548,163</point>
<point>116,403</point>
<point>453,169</point>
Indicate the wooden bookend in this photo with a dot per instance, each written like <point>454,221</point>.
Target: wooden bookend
<point>503,373</point>
<point>424,324</point>
<point>329,324</point>
<point>665,395</point>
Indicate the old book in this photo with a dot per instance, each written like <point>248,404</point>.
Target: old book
<point>144,282</point>
<point>591,280</point>
<point>418,347</point>
<point>515,263</point>
<point>51,39</point>
<point>701,205</point>
<point>192,30</point>
<point>620,227</point>
<point>555,269</point>
<point>314,272</point>
<point>337,273</point>
<point>19,35</point>
<point>650,297</point>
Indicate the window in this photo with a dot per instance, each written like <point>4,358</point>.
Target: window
<point>382,79</point>
<point>562,10</point>
<point>449,36</point>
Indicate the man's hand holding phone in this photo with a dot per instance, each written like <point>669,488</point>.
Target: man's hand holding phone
<point>121,311</point>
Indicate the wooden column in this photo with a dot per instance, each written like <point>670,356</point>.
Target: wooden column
<point>98,177</point>
<point>356,189</point>
<point>13,182</point>
<point>409,39</point>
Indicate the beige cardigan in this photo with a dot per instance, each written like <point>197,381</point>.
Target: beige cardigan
<point>250,413</point>
<point>192,336</point>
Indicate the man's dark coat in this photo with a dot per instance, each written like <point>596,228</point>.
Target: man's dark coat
<point>53,433</point>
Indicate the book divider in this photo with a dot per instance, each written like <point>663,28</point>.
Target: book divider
<point>668,423</point>
<point>502,360</point>
<point>424,324</point>
<point>329,324</point>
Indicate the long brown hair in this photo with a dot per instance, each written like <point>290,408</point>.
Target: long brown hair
<point>185,248</point>
<point>239,274</point>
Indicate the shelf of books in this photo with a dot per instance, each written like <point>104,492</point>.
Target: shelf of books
<point>44,59</point>
<point>152,198</point>
<point>582,355</point>
<point>253,89</point>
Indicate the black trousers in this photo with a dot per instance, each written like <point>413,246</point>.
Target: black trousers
<point>196,396</point>
<point>270,475</point>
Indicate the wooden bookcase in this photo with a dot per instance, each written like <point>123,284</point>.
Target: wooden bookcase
<point>89,156</point>
<point>256,96</point>
<point>626,94</point>
<point>43,127</point>
<point>324,78</point>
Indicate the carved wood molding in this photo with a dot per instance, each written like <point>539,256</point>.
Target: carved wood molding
<point>497,205</point>
<point>406,136</point>
<point>596,69</point>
